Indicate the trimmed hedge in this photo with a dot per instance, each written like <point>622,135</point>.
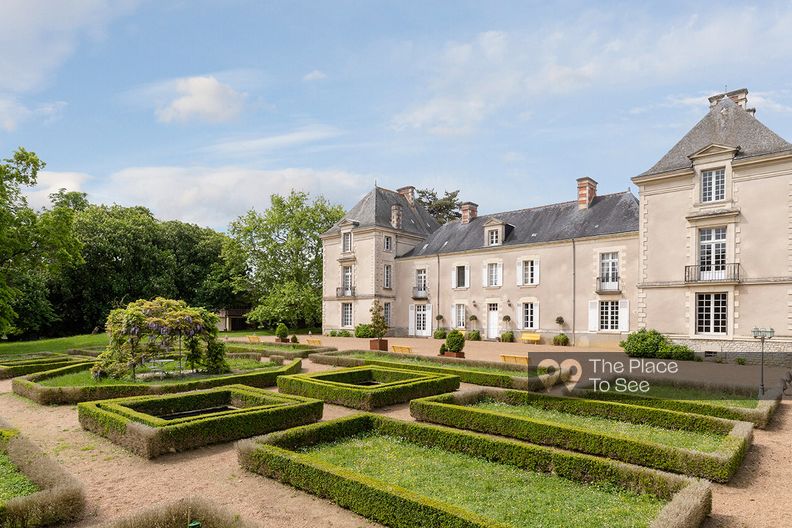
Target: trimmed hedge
<point>276,456</point>
<point>179,514</point>
<point>242,351</point>
<point>134,423</point>
<point>523,379</point>
<point>720,465</point>
<point>19,367</point>
<point>29,387</point>
<point>61,498</point>
<point>343,386</point>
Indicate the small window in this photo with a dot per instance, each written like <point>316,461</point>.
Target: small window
<point>459,315</point>
<point>347,242</point>
<point>493,237</point>
<point>346,315</point>
<point>493,274</point>
<point>386,312</point>
<point>711,313</point>
<point>609,315</point>
<point>713,185</point>
<point>529,272</point>
<point>461,277</point>
<point>388,243</point>
<point>388,277</point>
<point>529,316</point>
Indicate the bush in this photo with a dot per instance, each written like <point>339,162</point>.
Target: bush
<point>282,331</point>
<point>440,333</point>
<point>344,333</point>
<point>507,337</point>
<point>455,341</point>
<point>677,352</point>
<point>294,339</point>
<point>179,514</point>
<point>443,349</point>
<point>364,331</point>
<point>561,340</point>
<point>740,360</point>
<point>333,333</point>
<point>643,343</point>
<point>11,368</point>
<point>474,335</point>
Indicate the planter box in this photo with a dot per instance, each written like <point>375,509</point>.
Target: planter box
<point>454,354</point>
<point>379,344</point>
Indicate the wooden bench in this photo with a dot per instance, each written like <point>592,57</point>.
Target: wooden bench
<point>402,349</point>
<point>254,339</point>
<point>314,342</point>
<point>530,337</point>
<point>517,360</point>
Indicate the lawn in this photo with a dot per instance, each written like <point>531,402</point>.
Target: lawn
<point>373,356</point>
<point>270,347</point>
<point>695,441</point>
<point>504,493</point>
<point>60,344</point>
<point>12,482</point>
<point>713,397</point>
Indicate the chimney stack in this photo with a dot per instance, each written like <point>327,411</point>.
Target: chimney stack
<point>740,98</point>
<point>469,211</point>
<point>587,191</point>
<point>396,216</point>
<point>408,192</point>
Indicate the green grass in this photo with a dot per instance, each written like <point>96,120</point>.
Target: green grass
<point>270,347</point>
<point>712,397</point>
<point>516,497</point>
<point>458,366</point>
<point>60,344</point>
<point>12,482</point>
<point>84,378</point>
<point>270,332</point>
<point>703,442</point>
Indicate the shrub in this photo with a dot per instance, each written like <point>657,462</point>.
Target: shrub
<point>643,343</point>
<point>333,333</point>
<point>740,360</point>
<point>179,514</point>
<point>214,358</point>
<point>674,351</point>
<point>507,337</point>
<point>294,339</point>
<point>19,367</point>
<point>344,333</point>
<point>443,349</point>
<point>440,333</point>
<point>474,335</point>
<point>561,340</point>
<point>281,331</point>
<point>364,331</point>
<point>455,341</point>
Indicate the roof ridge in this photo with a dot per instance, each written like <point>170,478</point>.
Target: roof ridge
<point>550,205</point>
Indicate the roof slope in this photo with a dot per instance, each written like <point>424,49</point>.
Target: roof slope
<point>608,214</point>
<point>725,124</point>
<point>374,209</point>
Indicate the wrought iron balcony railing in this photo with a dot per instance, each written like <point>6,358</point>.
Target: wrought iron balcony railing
<point>607,285</point>
<point>713,273</point>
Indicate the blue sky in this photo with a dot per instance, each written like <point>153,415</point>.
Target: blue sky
<point>200,110</point>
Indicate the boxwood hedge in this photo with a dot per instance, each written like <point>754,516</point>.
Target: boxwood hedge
<point>268,349</point>
<point>719,465</point>
<point>277,456</point>
<point>344,387</point>
<point>136,423</point>
<point>12,368</point>
<point>179,514</point>
<point>29,386</point>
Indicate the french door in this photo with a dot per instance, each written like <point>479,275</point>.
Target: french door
<point>493,324</point>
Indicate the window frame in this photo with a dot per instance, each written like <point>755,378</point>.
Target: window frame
<point>387,276</point>
<point>609,267</point>
<point>709,320</point>
<point>346,242</point>
<point>461,283</point>
<point>608,319</point>
<point>713,185</point>
<point>529,272</point>
<point>493,233</point>
<point>387,312</point>
<point>528,316</point>
<point>421,272</point>
<point>460,321</point>
<point>351,323</point>
<point>387,244</point>
<point>497,279</point>
<point>347,286</point>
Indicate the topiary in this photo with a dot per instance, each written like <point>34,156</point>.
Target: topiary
<point>455,341</point>
<point>443,349</point>
<point>561,340</point>
<point>440,333</point>
<point>474,335</point>
<point>294,339</point>
<point>507,337</point>
<point>282,331</point>
<point>643,343</point>
<point>364,331</point>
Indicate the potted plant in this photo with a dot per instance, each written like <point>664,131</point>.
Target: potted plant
<point>378,327</point>
<point>455,344</point>
<point>473,320</point>
<point>282,333</point>
<point>560,322</point>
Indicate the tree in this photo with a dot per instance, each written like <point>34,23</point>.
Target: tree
<point>443,209</point>
<point>379,327</point>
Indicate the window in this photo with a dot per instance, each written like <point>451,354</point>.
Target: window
<point>493,237</point>
<point>388,243</point>
<point>346,274</point>
<point>493,274</point>
<point>347,242</point>
<point>712,253</point>
<point>713,185</point>
<point>420,318</point>
<point>386,283</point>
<point>711,313</point>
<point>461,277</point>
<point>529,272</point>
<point>346,314</point>
<point>459,315</point>
<point>420,280</point>
<point>609,270</point>
<point>609,315</point>
<point>386,313</point>
<point>529,316</point>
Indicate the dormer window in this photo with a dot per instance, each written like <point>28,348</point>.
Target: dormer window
<point>346,244</point>
<point>493,237</point>
<point>713,185</point>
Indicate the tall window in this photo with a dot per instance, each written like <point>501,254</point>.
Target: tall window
<point>420,279</point>
<point>386,313</point>
<point>493,237</point>
<point>529,316</point>
<point>529,272</point>
<point>346,273</point>
<point>609,270</point>
<point>346,314</point>
<point>388,277</point>
<point>459,315</point>
<point>712,253</point>
<point>609,315</point>
<point>347,242</point>
<point>713,185</point>
<point>420,317</point>
<point>461,277</point>
<point>388,243</point>
<point>711,313</point>
<point>493,274</point>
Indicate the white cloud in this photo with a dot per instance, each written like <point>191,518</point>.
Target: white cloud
<point>13,113</point>
<point>315,75</point>
<point>50,182</point>
<point>251,146</point>
<point>199,98</point>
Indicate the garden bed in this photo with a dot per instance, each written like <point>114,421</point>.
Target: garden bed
<point>488,373</point>
<point>74,384</point>
<point>285,350</point>
<point>694,445</point>
<point>368,387</point>
<point>723,401</point>
<point>151,426</point>
<point>405,474</point>
<point>34,490</point>
<point>11,368</point>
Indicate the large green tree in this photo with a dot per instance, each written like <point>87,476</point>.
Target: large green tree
<point>443,208</point>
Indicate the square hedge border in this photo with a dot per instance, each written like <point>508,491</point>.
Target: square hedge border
<point>277,456</point>
<point>11,368</point>
<point>445,365</point>
<point>134,423</point>
<point>340,387</point>
<point>60,499</point>
<point>246,351</point>
<point>720,465</point>
<point>760,416</point>
<point>29,386</point>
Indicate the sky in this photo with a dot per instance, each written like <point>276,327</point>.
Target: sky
<point>201,109</point>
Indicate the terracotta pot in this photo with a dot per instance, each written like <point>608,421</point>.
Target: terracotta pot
<point>454,354</point>
<point>284,340</point>
<point>379,344</point>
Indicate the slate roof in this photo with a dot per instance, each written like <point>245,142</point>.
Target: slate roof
<point>725,124</point>
<point>607,214</point>
<point>374,209</point>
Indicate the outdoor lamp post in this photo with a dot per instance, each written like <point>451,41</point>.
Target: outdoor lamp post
<point>762,334</point>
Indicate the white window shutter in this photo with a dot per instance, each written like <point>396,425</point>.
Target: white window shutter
<point>593,316</point>
<point>453,316</point>
<point>624,316</point>
<point>411,317</point>
<point>536,325</point>
<point>500,274</point>
<point>467,276</point>
<point>536,271</point>
<point>454,277</point>
<point>484,275</point>
<point>429,320</point>
<point>520,264</point>
<point>520,316</point>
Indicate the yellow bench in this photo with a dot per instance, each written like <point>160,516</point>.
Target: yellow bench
<point>517,360</point>
<point>254,339</point>
<point>402,349</point>
<point>530,337</point>
<point>314,342</point>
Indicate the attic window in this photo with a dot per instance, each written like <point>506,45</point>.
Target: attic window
<point>493,237</point>
<point>713,185</point>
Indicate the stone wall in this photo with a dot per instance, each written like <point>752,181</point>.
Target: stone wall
<point>777,353</point>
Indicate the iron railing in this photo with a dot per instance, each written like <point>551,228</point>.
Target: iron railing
<point>608,285</point>
<point>713,273</point>
<point>420,293</point>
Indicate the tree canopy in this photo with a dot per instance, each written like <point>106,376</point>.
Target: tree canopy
<point>443,208</point>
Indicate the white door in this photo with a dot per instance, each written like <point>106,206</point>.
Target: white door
<point>422,326</point>
<point>492,320</point>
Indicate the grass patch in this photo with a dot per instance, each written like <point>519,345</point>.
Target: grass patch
<point>373,356</point>
<point>269,347</point>
<point>12,482</point>
<point>695,441</point>
<point>60,344</point>
<point>713,397</point>
<point>519,498</point>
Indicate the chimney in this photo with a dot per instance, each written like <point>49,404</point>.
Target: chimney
<point>396,216</point>
<point>587,190</point>
<point>408,192</point>
<point>740,98</point>
<point>469,211</point>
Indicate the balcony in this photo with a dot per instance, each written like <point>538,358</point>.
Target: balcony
<point>713,273</point>
<point>420,293</point>
<point>608,285</point>
<point>349,291</point>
